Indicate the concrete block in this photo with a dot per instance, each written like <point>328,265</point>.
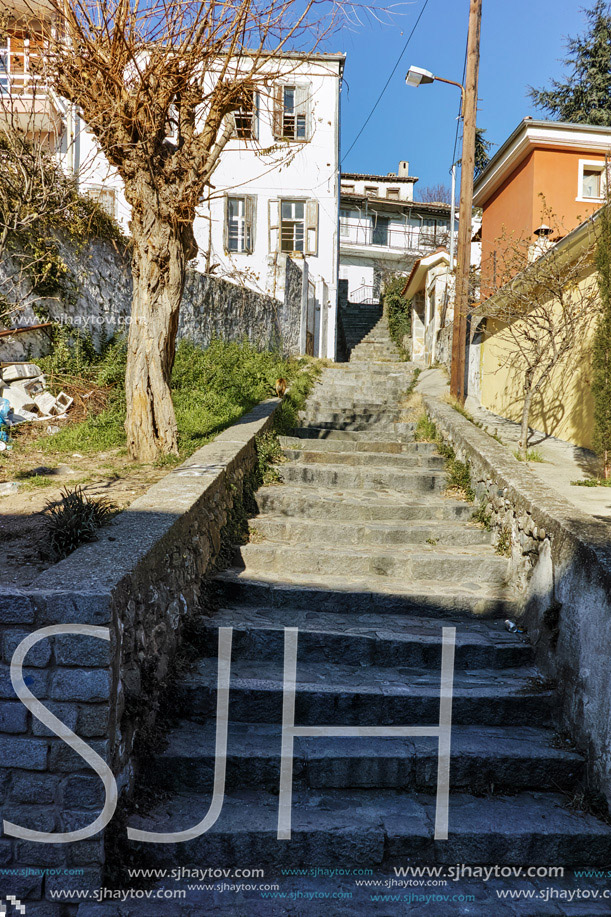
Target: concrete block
<point>80,684</point>
<point>67,713</point>
<point>26,753</point>
<point>16,608</point>
<point>17,371</point>
<point>27,786</point>
<point>82,651</point>
<point>13,717</point>
<point>38,656</point>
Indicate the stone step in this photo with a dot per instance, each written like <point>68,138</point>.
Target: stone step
<point>294,530</point>
<point>351,506</point>
<point>352,827</point>
<point>482,757</point>
<point>357,423</point>
<point>379,478</point>
<point>332,434</point>
<point>378,366</point>
<point>319,403</point>
<point>428,598</point>
<point>388,447</point>
<point>361,638</point>
<point>405,563</point>
<point>340,695</point>
<point>314,456</point>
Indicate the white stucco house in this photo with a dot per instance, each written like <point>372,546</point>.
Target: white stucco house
<point>275,191</point>
<point>383,230</point>
<point>431,288</point>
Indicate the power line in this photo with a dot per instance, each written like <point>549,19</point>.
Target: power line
<point>386,84</point>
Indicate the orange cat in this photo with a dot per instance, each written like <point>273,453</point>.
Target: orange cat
<point>280,387</point>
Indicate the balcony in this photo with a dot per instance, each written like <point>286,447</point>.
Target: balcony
<point>393,241</point>
<point>25,102</point>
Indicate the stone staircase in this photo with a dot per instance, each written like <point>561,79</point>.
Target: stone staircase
<point>362,550</point>
<point>358,319</point>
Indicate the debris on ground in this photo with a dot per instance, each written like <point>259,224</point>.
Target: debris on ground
<point>23,387</point>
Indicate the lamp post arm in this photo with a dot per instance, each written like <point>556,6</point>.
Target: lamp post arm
<point>442,79</point>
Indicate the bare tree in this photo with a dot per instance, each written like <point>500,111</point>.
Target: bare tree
<point>545,309</point>
<point>435,194</point>
<point>159,83</point>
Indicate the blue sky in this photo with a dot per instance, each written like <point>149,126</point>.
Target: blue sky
<point>522,45</point>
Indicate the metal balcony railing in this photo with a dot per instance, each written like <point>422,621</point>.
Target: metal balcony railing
<point>410,239</point>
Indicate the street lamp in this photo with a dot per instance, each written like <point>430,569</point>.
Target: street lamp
<point>417,76</point>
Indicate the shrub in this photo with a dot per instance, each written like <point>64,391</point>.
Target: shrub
<point>398,311</point>
<point>74,521</point>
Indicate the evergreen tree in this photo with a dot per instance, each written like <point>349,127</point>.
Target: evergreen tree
<point>585,96</point>
<point>601,352</point>
<point>482,151</point>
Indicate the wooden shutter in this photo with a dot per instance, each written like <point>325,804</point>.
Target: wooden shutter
<point>250,217</point>
<point>226,225</point>
<point>302,106</point>
<point>278,111</point>
<point>255,116</point>
<point>274,226</point>
<point>311,227</point>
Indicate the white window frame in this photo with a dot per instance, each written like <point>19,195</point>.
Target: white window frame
<point>591,165</point>
<point>245,115</point>
<point>300,114</point>
<point>393,194</point>
<point>309,221</point>
<point>245,221</point>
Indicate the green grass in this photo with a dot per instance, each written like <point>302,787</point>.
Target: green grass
<point>426,431</point>
<point>459,473</point>
<point>211,389</point>
<point>532,455</point>
<point>592,482</point>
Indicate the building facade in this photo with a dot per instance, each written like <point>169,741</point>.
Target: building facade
<point>542,183</point>
<point>382,230</point>
<point>275,191</point>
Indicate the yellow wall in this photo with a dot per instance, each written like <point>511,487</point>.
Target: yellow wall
<point>565,407</point>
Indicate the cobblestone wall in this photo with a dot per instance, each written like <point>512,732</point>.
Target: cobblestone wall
<point>142,580</point>
<point>99,301</point>
<point>561,565</point>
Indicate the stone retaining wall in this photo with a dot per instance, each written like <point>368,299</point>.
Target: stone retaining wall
<point>141,580</point>
<point>561,561</point>
<point>100,294</point>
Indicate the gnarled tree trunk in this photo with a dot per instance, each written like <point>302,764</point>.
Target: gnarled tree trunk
<point>160,253</point>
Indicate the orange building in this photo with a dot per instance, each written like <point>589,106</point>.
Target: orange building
<point>543,182</point>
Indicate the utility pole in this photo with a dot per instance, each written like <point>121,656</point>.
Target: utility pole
<point>463,255</point>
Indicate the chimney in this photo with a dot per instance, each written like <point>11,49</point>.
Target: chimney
<point>403,170</point>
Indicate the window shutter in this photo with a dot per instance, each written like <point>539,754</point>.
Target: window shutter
<point>226,225</point>
<point>311,227</point>
<point>250,214</point>
<point>278,103</point>
<point>274,226</point>
<point>302,104</point>
<point>255,116</point>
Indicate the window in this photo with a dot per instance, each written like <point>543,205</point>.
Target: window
<point>371,189</point>
<point>239,223</point>
<point>293,226</point>
<point>344,225</point>
<point>349,189</point>
<point>592,183</point>
<point>246,118</point>
<point>291,113</point>
<point>105,197</point>
<point>392,193</point>
<point>4,79</point>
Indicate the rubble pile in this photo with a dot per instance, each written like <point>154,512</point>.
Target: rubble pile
<point>23,386</point>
